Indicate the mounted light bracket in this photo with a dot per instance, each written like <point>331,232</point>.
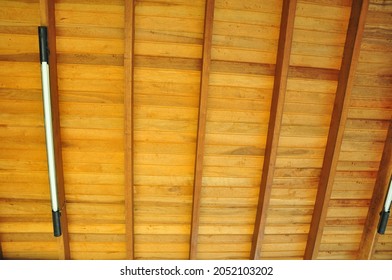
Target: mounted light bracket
<point>384,215</point>
<point>45,79</point>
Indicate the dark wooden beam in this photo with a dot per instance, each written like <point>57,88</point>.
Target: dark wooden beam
<point>369,235</point>
<point>337,125</point>
<point>201,129</point>
<point>276,113</point>
<point>129,31</point>
<point>48,19</point>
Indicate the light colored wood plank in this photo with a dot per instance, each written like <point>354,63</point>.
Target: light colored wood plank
<point>93,178</point>
<point>249,17</point>
<point>179,24</point>
<point>18,44</point>
<point>276,113</point>
<point>247,81</point>
<point>98,255</point>
<point>274,7</point>
<point>323,25</point>
<point>369,236</point>
<point>89,45</point>
<point>338,120</point>
<point>73,15</point>
<point>242,55</point>
<point>167,49</point>
<point>151,8</point>
<point>233,150</point>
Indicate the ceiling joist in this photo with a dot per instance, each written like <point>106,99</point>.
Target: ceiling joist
<point>338,122</point>
<point>369,235</point>
<point>276,114</point>
<point>128,131</point>
<point>48,19</point>
<point>201,129</point>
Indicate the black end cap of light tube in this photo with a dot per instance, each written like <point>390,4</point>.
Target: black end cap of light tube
<point>43,44</point>
<point>382,225</point>
<point>56,223</point>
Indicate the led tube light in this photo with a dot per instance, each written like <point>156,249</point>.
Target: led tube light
<point>384,215</point>
<point>45,79</point>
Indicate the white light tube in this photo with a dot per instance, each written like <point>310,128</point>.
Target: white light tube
<point>45,78</point>
<point>49,135</point>
<point>384,215</point>
<point>388,200</point>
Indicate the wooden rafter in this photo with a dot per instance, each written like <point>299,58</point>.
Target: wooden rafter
<point>369,235</point>
<point>128,104</point>
<point>1,252</point>
<point>276,113</point>
<point>205,72</point>
<point>48,19</point>
<point>337,125</point>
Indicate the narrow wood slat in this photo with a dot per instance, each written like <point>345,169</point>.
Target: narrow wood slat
<point>276,114</point>
<point>48,19</point>
<point>129,143</point>
<point>369,235</point>
<point>337,125</point>
<point>201,130</point>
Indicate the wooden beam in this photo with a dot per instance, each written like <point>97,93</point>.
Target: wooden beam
<point>276,114</point>
<point>201,129</point>
<point>48,19</point>
<point>369,235</point>
<point>337,125</point>
<point>129,30</point>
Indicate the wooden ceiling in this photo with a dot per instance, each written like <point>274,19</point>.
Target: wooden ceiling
<point>226,129</point>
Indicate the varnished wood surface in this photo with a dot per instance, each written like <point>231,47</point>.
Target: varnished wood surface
<point>167,60</point>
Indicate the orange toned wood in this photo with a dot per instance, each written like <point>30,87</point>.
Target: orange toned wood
<point>129,143</point>
<point>337,125</point>
<point>201,129</point>
<point>369,235</point>
<point>48,19</point>
<point>276,113</point>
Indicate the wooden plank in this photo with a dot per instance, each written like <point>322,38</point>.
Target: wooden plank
<point>369,236</point>
<point>48,19</point>
<point>279,91</point>
<point>338,121</point>
<point>201,129</point>
<point>129,141</point>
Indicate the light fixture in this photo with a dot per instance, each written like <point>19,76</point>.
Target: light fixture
<point>45,79</point>
<point>384,215</point>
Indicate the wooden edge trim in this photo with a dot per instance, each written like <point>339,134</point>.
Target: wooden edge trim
<point>338,122</point>
<point>276,114</point>
<point>201,129</point>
